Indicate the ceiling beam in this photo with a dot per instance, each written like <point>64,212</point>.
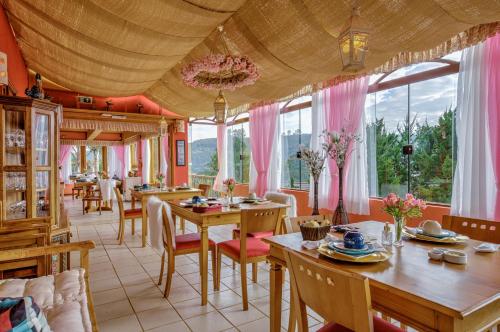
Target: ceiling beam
<point>93,134</point>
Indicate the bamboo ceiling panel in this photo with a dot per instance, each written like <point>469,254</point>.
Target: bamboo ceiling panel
<point>127,47</point>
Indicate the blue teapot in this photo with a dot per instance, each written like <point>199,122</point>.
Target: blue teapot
<point>196,199</point>
<point>354,240</point>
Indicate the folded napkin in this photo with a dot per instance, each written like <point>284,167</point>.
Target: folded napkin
<point>486,247</point>
<point>310,245</point>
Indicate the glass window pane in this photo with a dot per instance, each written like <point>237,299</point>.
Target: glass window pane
<point>15,196</point>
<point>432,110</point>
<point>203,140</point>
<point>290,140</point>
<point>389,116</point>
<point>413,69</point>
<point>245,162</point>
<point>15,136</point>
<point>305,140</point>
<point>42,193</point>
<point>75,160</point>
<point>42,139</point>
<point>94,160</point>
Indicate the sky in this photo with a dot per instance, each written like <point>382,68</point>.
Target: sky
<point>427,101</point>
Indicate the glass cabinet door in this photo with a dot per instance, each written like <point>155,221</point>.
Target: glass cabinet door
<point>15,136</point>
<point>42,193</point>
<point>41,139</point>
<point>15,195</point>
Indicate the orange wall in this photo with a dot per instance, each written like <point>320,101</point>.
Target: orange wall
<point>181,173</point>
<point>18,75</point>
<point>433,211</point>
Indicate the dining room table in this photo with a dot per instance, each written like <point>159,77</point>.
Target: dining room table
<point>425,294</point>
<point>226,215</point>
<point>166,194</point>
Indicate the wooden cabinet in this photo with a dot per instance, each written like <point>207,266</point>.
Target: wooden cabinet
<point>29,174</point>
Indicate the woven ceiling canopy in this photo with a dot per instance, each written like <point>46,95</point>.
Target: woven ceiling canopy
<point>129,47</point>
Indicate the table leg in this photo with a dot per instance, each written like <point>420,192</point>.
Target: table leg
<point>276,283</point>
<point>204,264</point>
<point>144,229</point>
<point>132,204</point>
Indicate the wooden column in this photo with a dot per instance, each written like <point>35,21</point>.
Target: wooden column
<point>83,158</point>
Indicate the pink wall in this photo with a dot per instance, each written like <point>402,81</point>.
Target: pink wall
<point>18,74</point>
<point>433,211</point>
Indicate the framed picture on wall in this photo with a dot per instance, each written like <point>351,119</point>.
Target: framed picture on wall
<point>180,152</point>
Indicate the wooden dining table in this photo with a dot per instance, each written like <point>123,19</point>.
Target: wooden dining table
<point>422,293</point>
<point>226,216</point>
<point>164,195</point>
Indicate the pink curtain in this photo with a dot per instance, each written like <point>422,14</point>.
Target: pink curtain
<point>492,62</point>
<point>262,129</point>
<point>344,105</point>
<point>221,158</point>
<point>120,155</point>
<point>64,153</point>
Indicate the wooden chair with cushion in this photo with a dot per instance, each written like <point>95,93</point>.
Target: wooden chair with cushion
<point>76,191</point>
<point>477,229</point>
<point>177,245</point>
<point>341,298</point>
<point>249,249</point>
<point>129,214</point>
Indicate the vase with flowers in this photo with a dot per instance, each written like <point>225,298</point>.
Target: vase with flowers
<point>400,209</point>
<point>315,161</point>
<point>338,146</point>
<point>230,184</point>
<point>160,177</point>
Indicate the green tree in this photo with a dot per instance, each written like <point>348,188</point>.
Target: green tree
<point>213,165</point>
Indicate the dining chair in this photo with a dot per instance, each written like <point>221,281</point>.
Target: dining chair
<point>249,249</point>
<point>477,229</point>
<point>76,190</point>
<point>92,195</point>
<point>126,214</point>
<point>177,245</point>
<point>205,188</point>
<point>341,298</point>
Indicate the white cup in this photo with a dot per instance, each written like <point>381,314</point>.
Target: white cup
<point>252,196</point>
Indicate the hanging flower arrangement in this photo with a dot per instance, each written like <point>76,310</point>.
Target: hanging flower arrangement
<point>220,72</point>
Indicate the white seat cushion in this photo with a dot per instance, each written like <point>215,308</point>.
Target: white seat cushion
<point>61,297</point>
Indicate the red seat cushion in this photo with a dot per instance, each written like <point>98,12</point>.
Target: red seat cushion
<point>190,241</point>
<point>133,213</point>
<point>379,325</point>
<point>257,235</point>
<point>255,247</point>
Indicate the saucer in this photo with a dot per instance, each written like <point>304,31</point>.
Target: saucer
<point>444,233</point>
<point>339,246</point>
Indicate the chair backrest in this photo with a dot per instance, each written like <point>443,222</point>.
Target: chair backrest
<point>205,188</point>
<point>119,199</point>
<point>168,227</point>
<point>292,224</point>
<point>477,229</point>
<point>336,295</point>
<point>282,198</point>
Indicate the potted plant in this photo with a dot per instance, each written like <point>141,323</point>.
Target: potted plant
<point>338,147</point>
<point>400,209</point>
<point>315,162</point>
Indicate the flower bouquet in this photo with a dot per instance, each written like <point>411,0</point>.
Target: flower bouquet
<point>400,209</point>
<point>315,161</point>
<point>160,177</point>
<point>230,184</point>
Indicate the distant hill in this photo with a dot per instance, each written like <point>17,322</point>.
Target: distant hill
<point>201,152</point>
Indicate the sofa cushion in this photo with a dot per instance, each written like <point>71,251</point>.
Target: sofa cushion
<point>61,297</point>
<point>21,314</point>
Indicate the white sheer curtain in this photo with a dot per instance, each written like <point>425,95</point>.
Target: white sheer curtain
<point>146,159</point>
<point>112,163</point>
<point>66,170</point>
<point>126,158</point>
<point>317,128</point>
<point>274,172</point>
<point>474,181</point>
<point>357,197</point>
<point>221,158</point>
<point>230,153</point>
<point>164,155</point>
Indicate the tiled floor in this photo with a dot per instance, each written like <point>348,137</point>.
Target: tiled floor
<point>124,279</point>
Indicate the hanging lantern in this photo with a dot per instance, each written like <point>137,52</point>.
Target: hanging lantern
<point>353,42</point>
<point>163,129</point>
<point>220,107</point>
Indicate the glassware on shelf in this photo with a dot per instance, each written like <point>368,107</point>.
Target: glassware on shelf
<point>15,181</point>
<point>42,139</point>
<point>17,210</point>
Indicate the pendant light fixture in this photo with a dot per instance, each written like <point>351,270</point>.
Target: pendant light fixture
<point>353,42</point>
